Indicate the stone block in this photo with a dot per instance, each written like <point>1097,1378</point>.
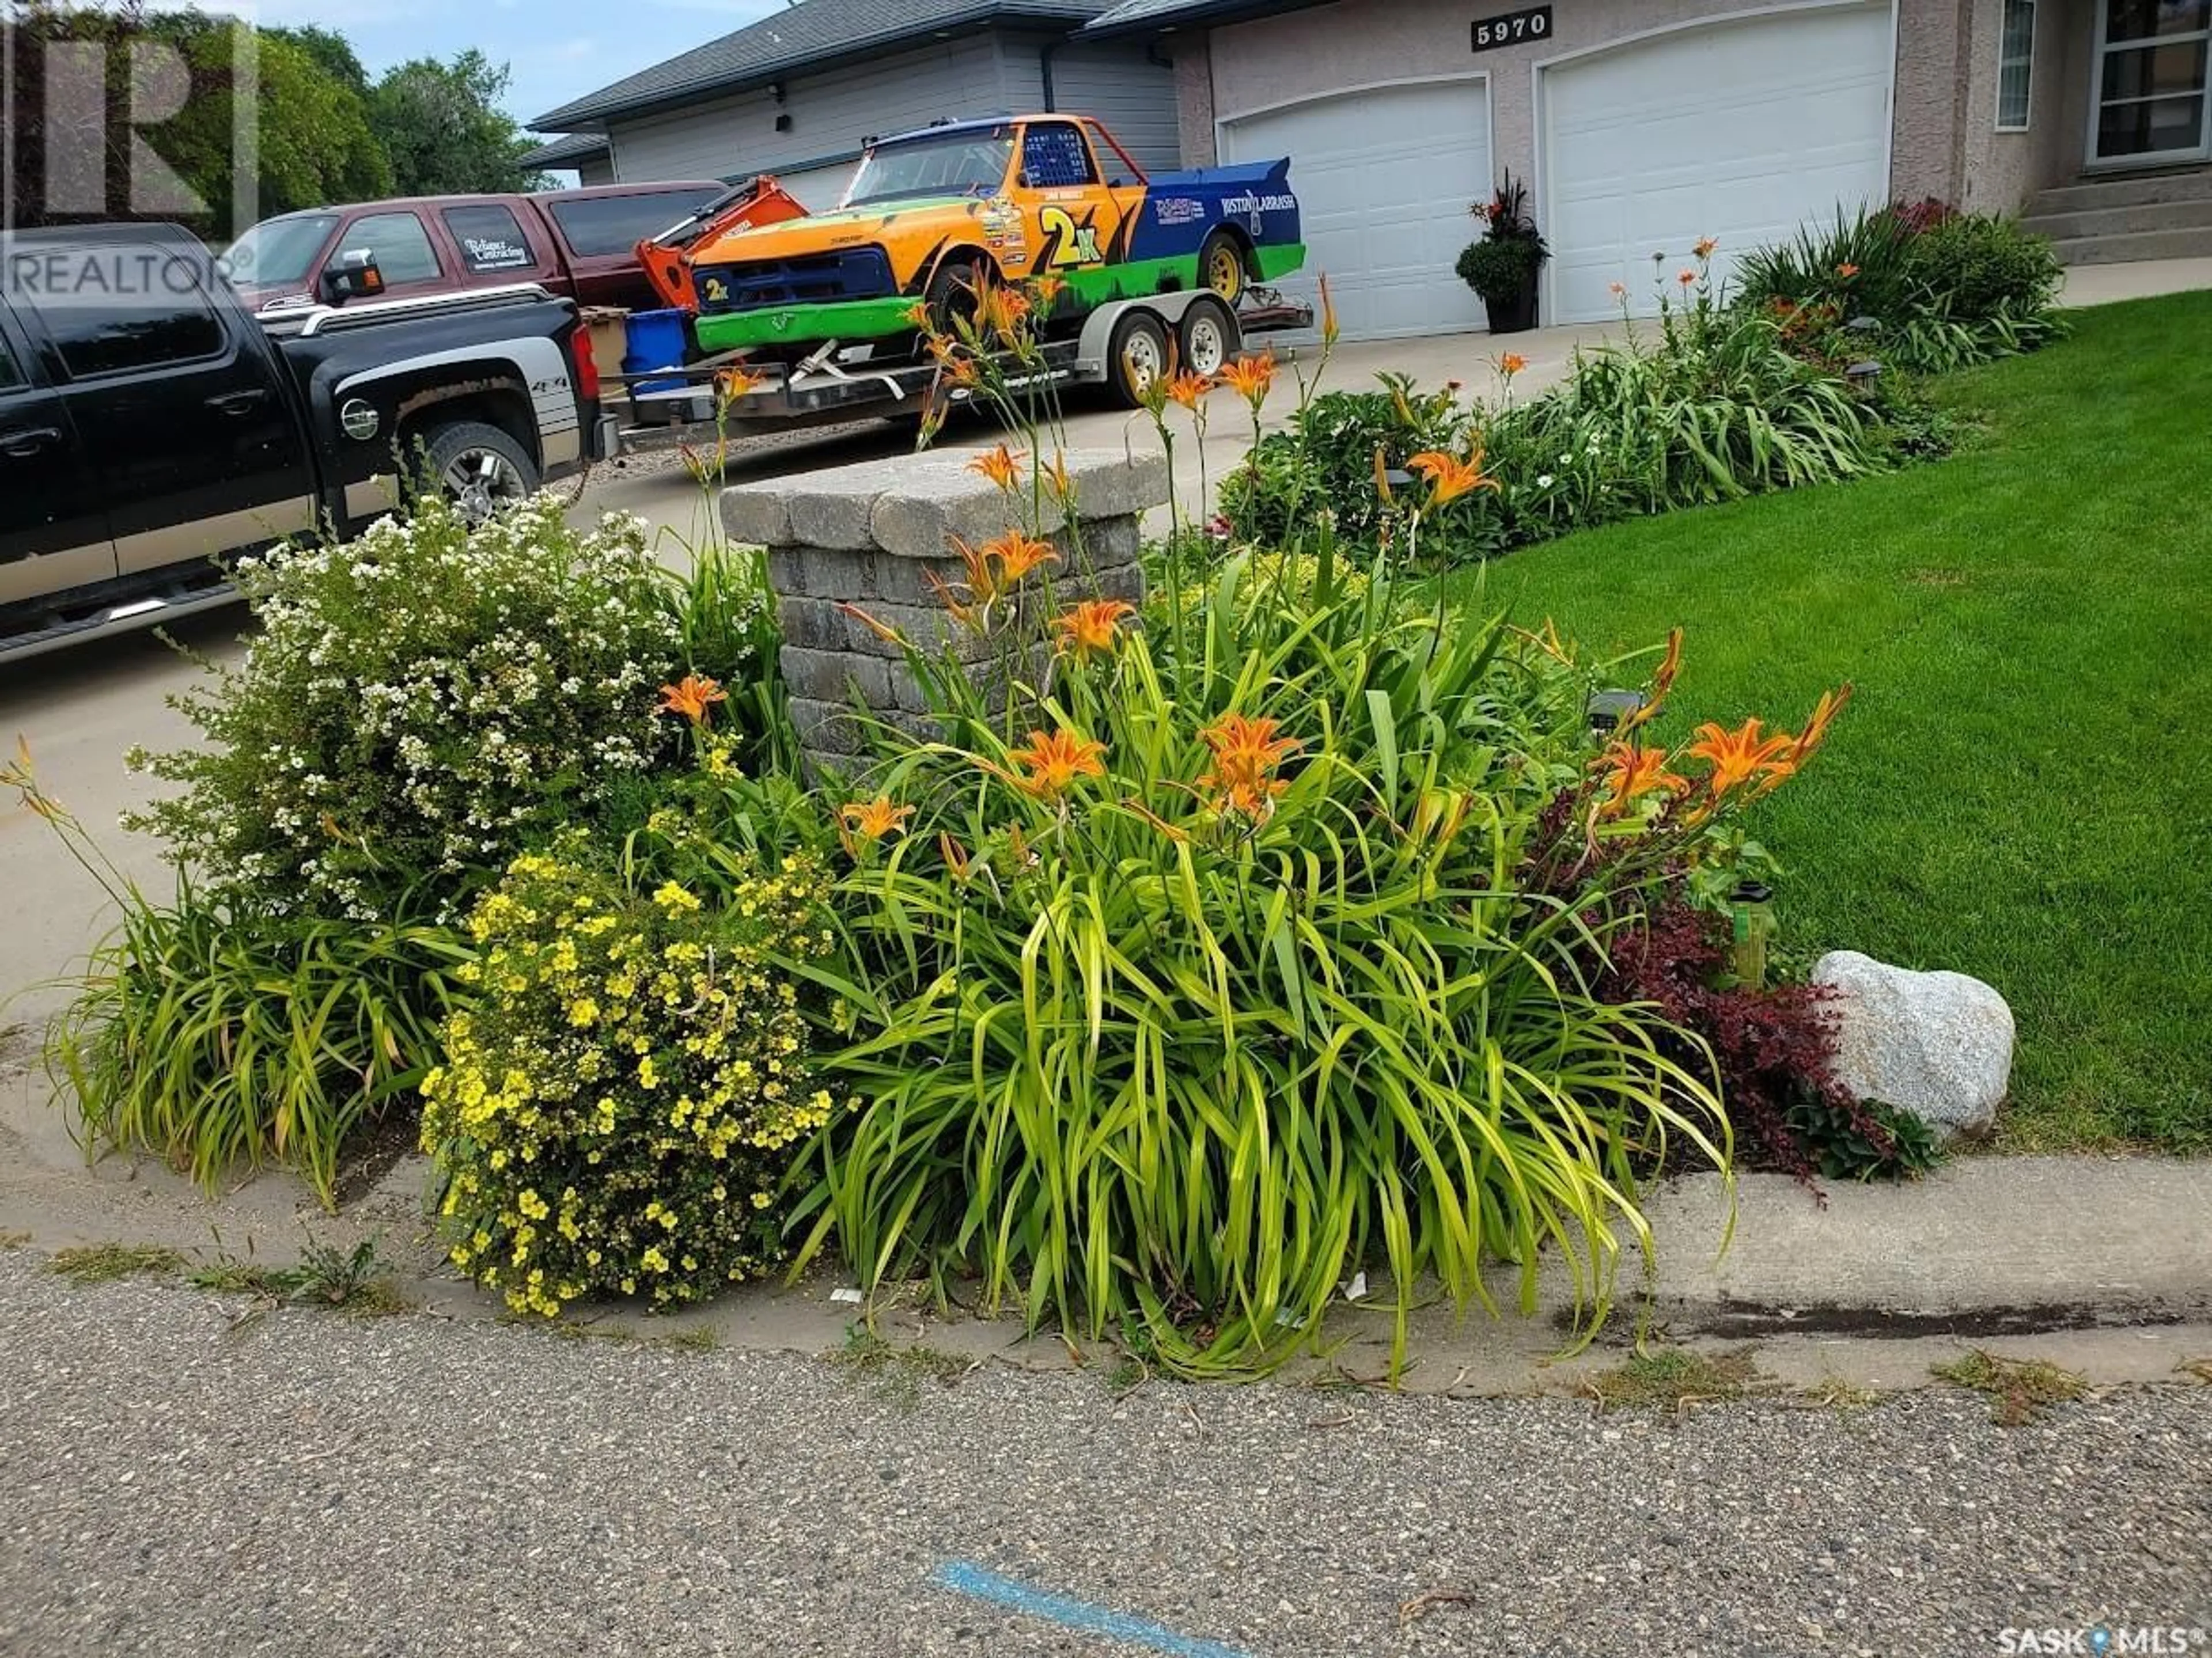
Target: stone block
<point>837,675</point>
<point>757,514</point>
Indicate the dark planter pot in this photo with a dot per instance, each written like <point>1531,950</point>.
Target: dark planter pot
<point>1515,312</point>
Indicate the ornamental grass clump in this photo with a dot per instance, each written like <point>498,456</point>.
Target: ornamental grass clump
<point>417,707</point>
<point>618,1111</point>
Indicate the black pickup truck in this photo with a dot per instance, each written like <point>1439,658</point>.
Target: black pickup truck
<point>151,429</point>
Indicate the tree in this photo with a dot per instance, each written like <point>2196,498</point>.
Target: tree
<point>311,127</point>
<point>443,129</point>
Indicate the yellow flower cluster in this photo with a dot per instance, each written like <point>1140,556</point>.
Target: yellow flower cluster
<point>618,1111</point>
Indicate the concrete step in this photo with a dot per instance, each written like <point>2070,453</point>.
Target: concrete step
<point>2131,221</point>
<point>2144,245</point>
<point>2129,189</point>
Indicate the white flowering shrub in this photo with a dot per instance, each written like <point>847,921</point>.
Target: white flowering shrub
<point>419,705</point>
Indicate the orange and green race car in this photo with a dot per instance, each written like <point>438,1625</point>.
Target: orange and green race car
<point>931,213</point>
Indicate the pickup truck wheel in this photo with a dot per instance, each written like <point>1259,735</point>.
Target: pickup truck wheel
<point>1221,267</point>
<point>954,289</point>
<point>1137,356</point>
<point>1207,336</point>
<point>479,467</point>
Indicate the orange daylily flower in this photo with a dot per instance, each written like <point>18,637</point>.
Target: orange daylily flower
<point>872,820</point>
<point>918,314</point>
<point>734,383</point>
<point>691,697</point>
<point>1017,555</point>
<point>1249,377</point>
<point>1663,682</point>
<point>968,614</point>
<point>1189,388</point>
<point>1002,466</point>
<point>1685,277</point>
<point>1632,772</point>
<point>1450,478</point>
<point>1816,729</point>
<point>1000,308</point>
<point>1847,271</point>
<point>1053,762</point>
<point>1619,290</point>
<point>955,856</point>
<point>1328,329</point>
<point>1246,752</point>
<point>1703,247</point>
<point>1055,473</point>
<point>1743,756</point>
<point>1092,628</point>
<point>1045,288</point>
<point>882,630</point>
<point>1510,363</point>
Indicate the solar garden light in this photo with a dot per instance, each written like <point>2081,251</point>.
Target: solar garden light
<point>1863,372</point>
<point>1609,708</point>
<point>1751,913</point>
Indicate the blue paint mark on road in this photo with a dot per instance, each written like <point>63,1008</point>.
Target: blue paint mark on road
<point>963,1578</point>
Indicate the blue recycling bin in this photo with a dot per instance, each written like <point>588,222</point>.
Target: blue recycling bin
<point>655,339</point>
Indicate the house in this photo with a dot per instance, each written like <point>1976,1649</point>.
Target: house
<point>584,153</point>
<point>1641,125</point>
<point>799,93</point>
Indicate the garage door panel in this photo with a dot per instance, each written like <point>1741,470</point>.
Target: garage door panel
<point>1383,179</point>
<point>1744,131</point>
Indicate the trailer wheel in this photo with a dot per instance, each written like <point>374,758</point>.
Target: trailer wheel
<point>1221,267</point>
<point>479,468</point>
<point>1137,355</point>
<point>1207,338</point>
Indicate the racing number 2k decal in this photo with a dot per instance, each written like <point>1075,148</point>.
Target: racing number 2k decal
<point>1066,242</point>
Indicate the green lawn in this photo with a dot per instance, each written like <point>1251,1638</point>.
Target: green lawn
<point>2022,789</point>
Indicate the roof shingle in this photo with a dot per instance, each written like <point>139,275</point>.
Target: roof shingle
<point>1132,15</point>
<point>567,152</point>
<point>810,34</point>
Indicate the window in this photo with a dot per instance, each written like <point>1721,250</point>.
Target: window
<point>490,238</point>
<point>957,162</point>
<point>1054,157</point>
<point>124,309</point>
<point>11,377</point>
<point>2015,65</point>
<point>402,247</point>
<point>279,252</point>
<point>600,226</point>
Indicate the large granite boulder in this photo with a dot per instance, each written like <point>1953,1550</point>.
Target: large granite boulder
<point>1938,1045</point>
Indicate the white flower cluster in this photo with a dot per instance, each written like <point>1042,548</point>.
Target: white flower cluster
<point>420,703</point>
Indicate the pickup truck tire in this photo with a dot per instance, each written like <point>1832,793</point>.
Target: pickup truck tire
<point>954,288</point>
<point>1136,355</point>
<point>1207,336</point>
<point>1221,267</point>
<point>479,467</point>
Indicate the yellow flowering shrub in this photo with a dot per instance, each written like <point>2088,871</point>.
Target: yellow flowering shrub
<point>617,1111</point>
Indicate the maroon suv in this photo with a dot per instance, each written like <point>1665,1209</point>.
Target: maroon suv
<point>579,243</point>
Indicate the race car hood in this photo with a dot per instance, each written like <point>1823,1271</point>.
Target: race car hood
<point>919,223</point>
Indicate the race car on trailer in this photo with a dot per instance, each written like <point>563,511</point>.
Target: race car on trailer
<point>932,215</point>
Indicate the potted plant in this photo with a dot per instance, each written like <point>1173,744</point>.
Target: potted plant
<point>1501,267</point>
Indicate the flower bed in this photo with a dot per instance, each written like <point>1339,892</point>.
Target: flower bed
<point>1197,958</point>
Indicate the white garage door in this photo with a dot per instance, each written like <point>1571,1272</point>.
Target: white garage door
<point>1743,131</point>
<point>1383,178</point>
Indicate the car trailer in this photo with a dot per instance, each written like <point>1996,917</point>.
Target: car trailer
<point>1124,344</point>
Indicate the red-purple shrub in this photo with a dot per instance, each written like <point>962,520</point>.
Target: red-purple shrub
<point>1918,218</point>
<point>1775,1049</point>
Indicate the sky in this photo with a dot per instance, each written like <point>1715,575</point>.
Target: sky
<point>559,50</point>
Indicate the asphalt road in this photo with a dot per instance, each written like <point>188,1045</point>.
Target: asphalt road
<point>311,1485</point>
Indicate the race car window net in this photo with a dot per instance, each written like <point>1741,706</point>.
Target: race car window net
<point>1054,157</point>
<point>969,163</point>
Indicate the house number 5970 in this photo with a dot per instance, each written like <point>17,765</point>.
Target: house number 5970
<point>1512,28</point>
